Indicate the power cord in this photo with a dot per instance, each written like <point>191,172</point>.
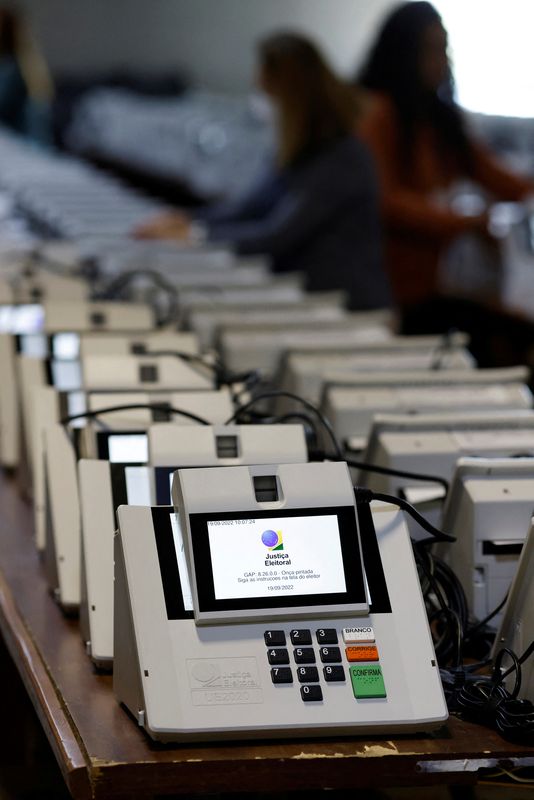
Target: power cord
<point>116,288</point>
<point>446,606</point>
<point>365,496</point>
<point>479,626</point>
<point>364,466</point>
<point>163,407</point>
<point>480,699</point>
<point>309,429</point>
<point>289,395</point>
<point>486,701</point>
<point>223,376</point>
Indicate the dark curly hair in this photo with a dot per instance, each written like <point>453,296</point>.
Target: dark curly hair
<point>393,67</point>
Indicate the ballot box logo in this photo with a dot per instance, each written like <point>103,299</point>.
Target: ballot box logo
<point>273,540</point>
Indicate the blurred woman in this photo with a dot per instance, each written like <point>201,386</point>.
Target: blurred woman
<point>316,209</point>
<point>421,146</point>
<point>25,84</point>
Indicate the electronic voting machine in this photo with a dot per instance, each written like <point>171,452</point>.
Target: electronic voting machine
<point>106,484</point>
<point>517,627</point>
<point>58,515</point>
<point>265,608</point>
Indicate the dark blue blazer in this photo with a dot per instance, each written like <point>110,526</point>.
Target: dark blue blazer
<point>320,216</point>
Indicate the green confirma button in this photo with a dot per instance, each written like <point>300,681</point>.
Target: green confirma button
<point>367,681</point>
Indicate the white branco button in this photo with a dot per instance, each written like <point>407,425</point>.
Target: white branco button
<point>363,634</point>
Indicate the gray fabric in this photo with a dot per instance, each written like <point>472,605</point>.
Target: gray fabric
<point>320,217</point>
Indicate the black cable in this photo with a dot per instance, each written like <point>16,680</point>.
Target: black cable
<point>446,644</point>
<point>498,676</point>
<point>251,380</point>
<point>365,467</point>
<point>449,620</point>
<point>479,625</point>
<point>486,701</point>
<point>522,658</point>
<point>298,415</point>
<point>453,588</point>
<point>215,367</point>
<point>132,406</point>
<point>115,288</point>
<point>308,424</point>
<point>423,554</point>
<point>364,495</point>
<point>472,668</point>
<point>222,375</point>
<point>278,393</point>
<point>447,641</point>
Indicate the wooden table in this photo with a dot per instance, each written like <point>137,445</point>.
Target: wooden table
<point>102,752</point>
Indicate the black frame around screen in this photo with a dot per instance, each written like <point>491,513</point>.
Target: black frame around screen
<point>163,490</point>
<point>168,563</point>
<point>350,551</point>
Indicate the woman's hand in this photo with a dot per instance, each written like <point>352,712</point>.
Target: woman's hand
<point>174,225</point>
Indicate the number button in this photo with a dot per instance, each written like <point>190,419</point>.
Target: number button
<point>275,638</point>
<point>327,636</point>
<point>330,655</point>
<point>278,656</point>
<point>333,674</point>
<point>304,655</point>
<point>311,694</point>
<point>300,637</point>
<point>308,675</point>
<point>281,675</point>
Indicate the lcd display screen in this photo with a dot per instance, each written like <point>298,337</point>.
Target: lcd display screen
<point>34,345</point>
<point>289,558</point>
<point>280,556</point>
<point>128,448</point>
<point>66,375</point>
<point>138,490</point>
<point>22,319</point>
<point>76,404</point>
<point>66,346</point>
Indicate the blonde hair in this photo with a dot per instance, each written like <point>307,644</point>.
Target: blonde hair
<point>315,105</point>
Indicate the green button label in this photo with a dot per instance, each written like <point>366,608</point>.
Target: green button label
<point>367,681</point>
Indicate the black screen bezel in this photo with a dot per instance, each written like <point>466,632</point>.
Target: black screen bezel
<point>355,593</point>
<point>172,586</point>
<point>161,480</point>
<point>168,563</point>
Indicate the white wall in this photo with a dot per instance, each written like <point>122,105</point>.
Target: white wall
<point>212,39</point>
<point>216,38</point>
<point>79,36</point>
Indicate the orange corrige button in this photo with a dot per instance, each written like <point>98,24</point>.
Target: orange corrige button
<point>362,653</point>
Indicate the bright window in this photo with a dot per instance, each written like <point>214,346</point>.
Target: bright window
<point>493,57</point>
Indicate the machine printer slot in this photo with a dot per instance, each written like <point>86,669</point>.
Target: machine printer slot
<point>148,373</point>
<point>97,319</point>
<point>501,547</point>
<point>266,488</point>
<point>227,447</point>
